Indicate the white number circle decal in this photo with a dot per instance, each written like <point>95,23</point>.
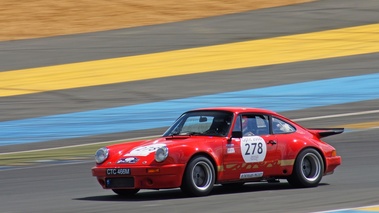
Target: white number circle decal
<point>253,149</point>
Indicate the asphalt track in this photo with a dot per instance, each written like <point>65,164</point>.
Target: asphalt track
<point>70,187</point>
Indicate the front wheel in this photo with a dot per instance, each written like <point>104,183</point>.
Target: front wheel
<point>125,192</point>
<point>308,169</point>
<point>199,177</point>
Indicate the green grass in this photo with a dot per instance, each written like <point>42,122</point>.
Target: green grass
<point>85,152</point>
<point>27,158</point>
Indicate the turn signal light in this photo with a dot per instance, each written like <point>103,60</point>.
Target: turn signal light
<point>152,170</point>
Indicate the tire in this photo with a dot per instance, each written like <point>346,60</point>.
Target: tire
<point>125,192</point>
<point>199,177</point>
<point>308,169</point>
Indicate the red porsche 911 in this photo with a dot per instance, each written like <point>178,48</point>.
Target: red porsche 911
<point>223,145</point>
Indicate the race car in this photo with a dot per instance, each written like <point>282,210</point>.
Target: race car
<point>223,145</point>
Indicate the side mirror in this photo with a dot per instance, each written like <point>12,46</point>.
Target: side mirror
<point>203,119</point>
<point>237,134</point>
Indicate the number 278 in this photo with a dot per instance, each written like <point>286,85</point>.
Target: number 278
<point>252,147</point>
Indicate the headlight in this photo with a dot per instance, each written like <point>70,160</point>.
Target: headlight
<point>101,155</point>
<point>161,154</point>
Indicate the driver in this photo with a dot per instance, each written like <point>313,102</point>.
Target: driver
<point>246,128</point>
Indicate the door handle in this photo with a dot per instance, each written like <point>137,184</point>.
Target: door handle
<point>272,142</point>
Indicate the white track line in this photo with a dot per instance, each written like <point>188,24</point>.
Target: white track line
<point>356,209</point>
<point>79,145</point>
<point>338,115</point>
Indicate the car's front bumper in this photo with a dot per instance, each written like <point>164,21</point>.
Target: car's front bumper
<point>142,177</point>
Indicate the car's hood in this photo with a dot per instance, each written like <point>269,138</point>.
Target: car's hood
<point>163,141</point>
<point>144,151</point>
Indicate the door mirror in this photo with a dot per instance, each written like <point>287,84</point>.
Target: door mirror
<point>203,119</point>
<point>237,134</point>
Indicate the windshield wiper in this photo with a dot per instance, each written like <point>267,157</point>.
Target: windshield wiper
<point>189,133</point>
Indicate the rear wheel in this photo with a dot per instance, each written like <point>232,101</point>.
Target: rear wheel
<point>308,169</point>
<point>199,177</point>
<point>125,192</point>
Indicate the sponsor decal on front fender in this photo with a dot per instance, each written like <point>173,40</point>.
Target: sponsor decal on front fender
<point>230,148</point>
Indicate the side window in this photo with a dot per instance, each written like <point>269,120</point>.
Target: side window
<point>262,125</point>
<point>280,126</point>
<point>252,125</point>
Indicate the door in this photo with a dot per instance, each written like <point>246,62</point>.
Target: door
<point>254,155</point>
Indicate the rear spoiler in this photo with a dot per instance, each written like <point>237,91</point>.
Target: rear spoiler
<point>324,132</point>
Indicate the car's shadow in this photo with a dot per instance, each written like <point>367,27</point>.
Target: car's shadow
<point>167,194</point>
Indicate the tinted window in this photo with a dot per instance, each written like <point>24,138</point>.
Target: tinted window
<point>280,126</point>
<point>252,125</point>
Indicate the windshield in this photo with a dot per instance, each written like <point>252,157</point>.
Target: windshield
<point>211,123</point>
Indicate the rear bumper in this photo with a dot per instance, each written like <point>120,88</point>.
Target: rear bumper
<point>332,163</point>
<point>169,176</point>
